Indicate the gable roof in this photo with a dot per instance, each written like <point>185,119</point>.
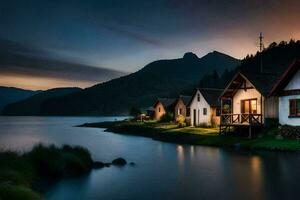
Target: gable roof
<point>263,82</point>
<point>167,103</point>
<point>285,78</point>
<point>185,99</point>
<point>211,95</point>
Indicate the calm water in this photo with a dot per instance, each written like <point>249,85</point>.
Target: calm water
<point>163,171</point>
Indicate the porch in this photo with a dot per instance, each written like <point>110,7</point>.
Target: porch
<point>241,119</point>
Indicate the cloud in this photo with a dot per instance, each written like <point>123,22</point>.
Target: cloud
<point>17,59</point>
<point>125,32</point>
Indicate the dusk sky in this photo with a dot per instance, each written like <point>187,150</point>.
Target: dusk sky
<point>46,44</point>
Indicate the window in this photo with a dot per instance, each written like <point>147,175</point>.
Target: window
<point>218,112</point>
<point>204,111</point>
<point>198,97</point>
<point>249,106</point>
<point>158,109</point>
<point>294,108</point>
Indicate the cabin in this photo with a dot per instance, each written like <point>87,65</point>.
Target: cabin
<point>163,106</point>
<point>245,101</point>
<point>287,89</point>
<point>181,108</point>
<point>204,107</point>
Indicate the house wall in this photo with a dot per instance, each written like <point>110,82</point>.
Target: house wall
<point>179,105</point>
<point>271,107</point>
<point>243,95</point>
<point>159,113</point>
<point>214,116</point>
<point>200,118</point>
<point>294,84</point>
<point>284,111</point>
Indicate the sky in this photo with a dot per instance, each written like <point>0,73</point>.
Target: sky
<point>59,43</point>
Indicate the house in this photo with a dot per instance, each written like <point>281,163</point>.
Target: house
<point>287,89</point>
<point>163,106</point>
<point>245,100</point>
<point>180,107</point>
<point>204,107</point>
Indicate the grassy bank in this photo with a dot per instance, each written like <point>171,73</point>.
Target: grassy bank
<point>22,174</point>
<point>268,140</point>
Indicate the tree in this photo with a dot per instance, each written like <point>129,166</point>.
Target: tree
<point>135,111</point>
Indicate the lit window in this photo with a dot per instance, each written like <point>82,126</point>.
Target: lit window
<point>204,111</point>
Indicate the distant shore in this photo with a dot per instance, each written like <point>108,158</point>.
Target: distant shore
<point>168,132</point>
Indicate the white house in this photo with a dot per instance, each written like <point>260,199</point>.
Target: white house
<point>204,106</point>
<point>245,100</point>
<point>287,89</point>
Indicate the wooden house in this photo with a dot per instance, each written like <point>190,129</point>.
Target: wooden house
<point>181,108</point>
<point>204,107</point>
<point>245,100</point>
<point>287,89</point>
<point>163,106</point>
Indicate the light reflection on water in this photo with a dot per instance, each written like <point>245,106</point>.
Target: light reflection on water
<point>163,170</point>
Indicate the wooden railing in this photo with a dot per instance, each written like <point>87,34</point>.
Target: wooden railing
<point>241,119</point>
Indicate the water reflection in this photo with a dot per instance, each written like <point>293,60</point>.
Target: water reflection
<point>163,170</point>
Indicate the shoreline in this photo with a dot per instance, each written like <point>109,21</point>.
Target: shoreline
<point>28,175</point>
<point>198,136</point>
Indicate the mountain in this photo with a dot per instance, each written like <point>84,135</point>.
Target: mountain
<point>139,89</point>
<point>10,95</point>
<point>272,60</point>
<point>33,104</point>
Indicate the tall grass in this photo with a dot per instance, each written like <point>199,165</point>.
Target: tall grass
<point>20,172</point>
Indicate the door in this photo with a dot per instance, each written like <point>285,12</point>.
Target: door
<point>249,106</point>
<point>195,115</point>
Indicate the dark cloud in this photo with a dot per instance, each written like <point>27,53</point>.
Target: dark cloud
<point>18,59</point>
<point>126,35</point>
<point>126,32</point>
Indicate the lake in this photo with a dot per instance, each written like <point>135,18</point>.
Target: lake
<point>163,170</point>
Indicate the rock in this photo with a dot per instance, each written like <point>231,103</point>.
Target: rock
<point>132,164</point>
<point>119,162</point>
<point>98,164</point>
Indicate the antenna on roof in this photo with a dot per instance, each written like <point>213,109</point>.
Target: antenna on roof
<point>261,48</point>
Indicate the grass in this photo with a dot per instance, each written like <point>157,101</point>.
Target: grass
<point>170,132</point>
<point>20,173</point>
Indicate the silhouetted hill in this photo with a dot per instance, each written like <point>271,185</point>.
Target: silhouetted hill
<point>32,105</point>
<point>141,88</point>
<point>275,59</point>
<point>10,95</point>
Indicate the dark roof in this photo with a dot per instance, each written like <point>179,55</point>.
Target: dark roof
<point>168,103</point>
<point>211,95</point>
<point>185,99</point>
<point>285,78</point>
<point>263,82</point>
